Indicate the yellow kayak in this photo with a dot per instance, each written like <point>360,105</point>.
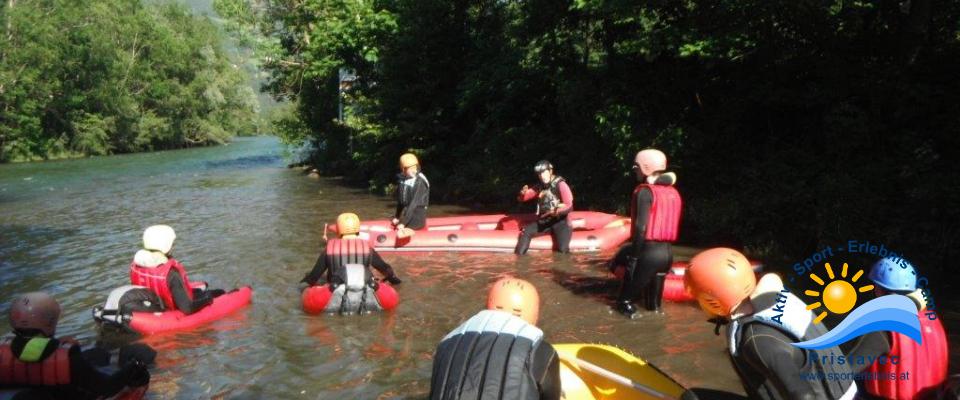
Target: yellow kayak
<point>595,371</point>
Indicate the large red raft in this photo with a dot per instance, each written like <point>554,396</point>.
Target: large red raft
<point>592,231</point>
<point>156,322</point>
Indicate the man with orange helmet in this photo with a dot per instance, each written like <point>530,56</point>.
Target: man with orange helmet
<point>413,194</point>
<point>498,353</point>
<point>55,368</point>
<point>345,263</point>
<point>655,221</point>
<point>765,319</point>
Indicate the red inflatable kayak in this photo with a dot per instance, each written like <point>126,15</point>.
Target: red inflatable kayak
<point>673,289</point>
<point>592,231</point>
<point>155,322</point>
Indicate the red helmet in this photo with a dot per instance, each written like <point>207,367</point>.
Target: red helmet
<point>650,161</point>
<point>36,311</point>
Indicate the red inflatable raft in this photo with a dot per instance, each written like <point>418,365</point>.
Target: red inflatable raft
<point>673,289</point>
<point>155,322</point>
<point>592,231</point>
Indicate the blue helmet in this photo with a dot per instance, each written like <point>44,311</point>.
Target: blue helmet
<point>895,274</point>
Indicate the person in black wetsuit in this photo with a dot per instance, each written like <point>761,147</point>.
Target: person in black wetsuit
<point>55,368</point>
<point>554,204</point>
<point>764,321</point>
<point>413,195</point>
<point>498,353</point>
<point>155,268</point>
<point>655,220</point>
<point>334,258</point>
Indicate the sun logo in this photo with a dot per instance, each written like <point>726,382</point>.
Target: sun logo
<point>839,296</point>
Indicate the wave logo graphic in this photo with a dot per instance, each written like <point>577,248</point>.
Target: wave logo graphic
<point>894,313</point>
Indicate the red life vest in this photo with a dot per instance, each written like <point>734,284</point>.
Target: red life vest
<point>926,364</point>
<point>51,371</point>
<point>156,280</point>
<point>663,223</point>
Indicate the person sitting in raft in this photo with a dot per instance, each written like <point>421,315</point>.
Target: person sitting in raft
<point>413,195</point>
<point>51,367</point>
<point>655,221</point>
<point>350,286</point>
<point>152,267</point>
<point>925,364</point>
<point>498,353</point>
<point>765,321</point>
<point>554,203</point>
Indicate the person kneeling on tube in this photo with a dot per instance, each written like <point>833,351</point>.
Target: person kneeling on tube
<point>350,286</point>
<point>48,367</point>
<point>155,268</point>
<point>498,353</point>
<point>765,320</point>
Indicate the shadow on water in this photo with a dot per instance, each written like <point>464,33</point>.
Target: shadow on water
<point>245,162</point>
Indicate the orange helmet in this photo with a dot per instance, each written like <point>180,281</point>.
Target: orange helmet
<point>515,296</point>
<point>348,224</point>
<point>408,160</point>
<point>720,279</point>
<point>35,311</point>
<point>650,161</point>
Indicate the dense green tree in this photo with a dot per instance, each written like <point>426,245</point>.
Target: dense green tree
<point>101,77</point>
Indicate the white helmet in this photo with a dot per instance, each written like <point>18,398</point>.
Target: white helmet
<point>159,238</point>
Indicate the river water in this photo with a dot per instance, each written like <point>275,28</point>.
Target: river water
<point>72,227</point>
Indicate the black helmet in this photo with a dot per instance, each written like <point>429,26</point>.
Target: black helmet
<point>542,165</point>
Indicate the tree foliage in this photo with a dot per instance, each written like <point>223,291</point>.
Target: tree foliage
<point>114,76</point>
<point>792,124</point>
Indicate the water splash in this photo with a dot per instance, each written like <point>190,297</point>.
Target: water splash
<point>894,313</point>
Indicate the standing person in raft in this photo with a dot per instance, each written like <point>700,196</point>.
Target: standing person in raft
<point>155,268</point>
<point>554,203</point>
<point>498,353</point>
<point>413,197</point>
<point>655,220</point>
<point>765,320</point>
<point>56,368</point>
<point>350,287</point>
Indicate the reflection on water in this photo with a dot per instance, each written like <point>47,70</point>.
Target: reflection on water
<point>71,228</point>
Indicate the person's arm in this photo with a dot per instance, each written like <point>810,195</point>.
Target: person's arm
<point>772,354</point>
<point>566,197</point>
<point>638,231</point>
<point>546,364</point>
<point>319,269</point>
<point>871,345</point>
<point>91,380</point>
<point>180,297</point>
<point>388,273</point>
<point>527,195</point>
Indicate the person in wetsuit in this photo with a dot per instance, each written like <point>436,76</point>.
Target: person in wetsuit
<point>655,221</point>
<point>498,353</point>
<point>554,203</point>
<point>764,321</point>
<point>413,195</point>
<point>347,249</point>
<point>55,368</point>
<point>155,268</point>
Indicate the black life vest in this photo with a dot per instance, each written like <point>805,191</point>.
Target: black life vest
<point>549,196</point>
<point>490,356</point>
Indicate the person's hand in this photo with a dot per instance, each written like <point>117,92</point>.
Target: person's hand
<point>523,190</point>
<point>395,221</point>
<point>216,292</point>
<point>393,280</point>
<point>400,226</point>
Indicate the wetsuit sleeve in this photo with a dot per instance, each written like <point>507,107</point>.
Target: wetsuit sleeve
<point>546,368</point>
<point>874,344</point>
<point>180,297</point>
<point>91,380</point>
<point>566,197</point>
<point>420,198</point>
<point>772,354</point>
<point>319,268</point>
<point>638,231</point>
<point>381,265</point>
